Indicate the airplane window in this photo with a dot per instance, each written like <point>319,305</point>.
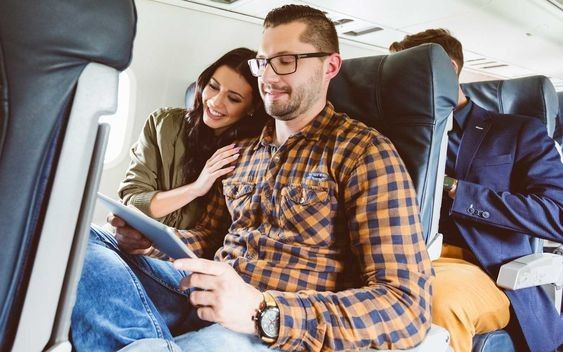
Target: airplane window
<point>119,121</point>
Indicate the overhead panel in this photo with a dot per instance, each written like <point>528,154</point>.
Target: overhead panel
<point>397,14</point>
<point>520,38</point>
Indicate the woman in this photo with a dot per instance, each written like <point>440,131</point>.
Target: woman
<point>181,153</point>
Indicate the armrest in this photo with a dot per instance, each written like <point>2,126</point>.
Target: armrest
<point>434,246</point>
<point>531,270</point>
<point>535,270</point>
<point>437,340</point>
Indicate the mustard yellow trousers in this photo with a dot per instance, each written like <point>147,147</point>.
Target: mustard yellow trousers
<point>466,301</point>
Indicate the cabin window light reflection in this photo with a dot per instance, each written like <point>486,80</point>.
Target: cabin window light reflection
<point>118,121</point>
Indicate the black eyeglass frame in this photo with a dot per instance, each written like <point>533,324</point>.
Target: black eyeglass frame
<point>268,62</point>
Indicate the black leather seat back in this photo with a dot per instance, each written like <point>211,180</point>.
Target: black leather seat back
<point>408,96</point>
<point>190,96</point>
<point>45,45</point>
<point>558,133</point>
<point>532,96</point>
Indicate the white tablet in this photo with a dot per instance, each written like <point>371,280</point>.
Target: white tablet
<point>162,237</point>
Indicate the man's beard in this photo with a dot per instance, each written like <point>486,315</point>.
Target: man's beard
<point>285,111</point>
<point>300,100</point>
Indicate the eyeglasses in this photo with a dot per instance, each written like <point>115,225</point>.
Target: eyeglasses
<point>284,64</point>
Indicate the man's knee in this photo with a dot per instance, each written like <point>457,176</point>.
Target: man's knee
<point>217,337</point>
<point>448,310</point>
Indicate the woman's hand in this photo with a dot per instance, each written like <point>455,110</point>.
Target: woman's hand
<point>216,167</point>
<point>165,202</point>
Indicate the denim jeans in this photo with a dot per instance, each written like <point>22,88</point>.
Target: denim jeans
<point>134,303</point>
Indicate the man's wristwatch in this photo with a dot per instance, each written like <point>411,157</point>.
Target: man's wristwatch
<point>268,320</point>
<point>449,183</point>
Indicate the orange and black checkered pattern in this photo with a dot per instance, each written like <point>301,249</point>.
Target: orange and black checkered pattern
<point>328,224</point>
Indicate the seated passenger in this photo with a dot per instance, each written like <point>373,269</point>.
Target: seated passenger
<point>503,183</point>
<point>316,234</point>
<point>176,158</point>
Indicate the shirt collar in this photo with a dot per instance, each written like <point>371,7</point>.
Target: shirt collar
<point>313,130</point>
<point>460,116</point>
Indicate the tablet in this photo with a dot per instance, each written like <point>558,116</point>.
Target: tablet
<point>162,237</point>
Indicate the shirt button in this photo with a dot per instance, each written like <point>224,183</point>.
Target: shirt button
<point>277,158</point>
<point>485,214</point>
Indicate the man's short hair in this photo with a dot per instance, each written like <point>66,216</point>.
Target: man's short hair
<point>441,36</point>
<point>320,30</point>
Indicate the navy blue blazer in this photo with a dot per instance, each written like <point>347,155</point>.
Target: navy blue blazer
<point>511,187</point>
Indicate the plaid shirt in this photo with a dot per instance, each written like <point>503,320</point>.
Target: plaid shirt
<point>328,225</point>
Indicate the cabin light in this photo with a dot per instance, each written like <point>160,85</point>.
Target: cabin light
<point>556,3</point>
<point>473,60</point>
<point>363,31</point>
<point>342,21</point>
<point>494,66</point>
<point>227,2</point>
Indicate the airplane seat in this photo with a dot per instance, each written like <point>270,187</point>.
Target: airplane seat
<point>59,67</point>
<point>409,97</point>
<point>532,96</point>
<point>190,96</point>
<point>558,133</point>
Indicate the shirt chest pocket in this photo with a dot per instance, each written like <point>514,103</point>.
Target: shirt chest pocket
<point>306,215</point>
<point>238,196</point>
<point>305,195</point>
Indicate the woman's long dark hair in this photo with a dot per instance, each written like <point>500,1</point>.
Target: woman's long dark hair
<point>201,142</point>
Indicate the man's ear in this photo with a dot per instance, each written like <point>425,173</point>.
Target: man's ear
<point>334,64</point>
<point>456,67</point>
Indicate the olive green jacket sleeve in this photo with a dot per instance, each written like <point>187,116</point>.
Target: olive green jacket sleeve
<point>157,165</point>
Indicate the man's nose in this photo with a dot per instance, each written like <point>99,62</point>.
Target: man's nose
<point>269,74</point>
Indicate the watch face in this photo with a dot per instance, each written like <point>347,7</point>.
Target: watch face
<point>270,322</point>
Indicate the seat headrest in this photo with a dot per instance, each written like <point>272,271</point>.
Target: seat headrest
<point>386,90</point>
<point>190,96</point>
<point>407,96</point>
<point>560,98</point>
<point>558,134</point>
<point>529,96</point>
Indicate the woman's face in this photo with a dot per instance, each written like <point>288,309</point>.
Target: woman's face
<point>227,98</point>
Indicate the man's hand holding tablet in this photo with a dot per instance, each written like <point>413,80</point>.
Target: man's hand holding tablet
<point>137,233</point>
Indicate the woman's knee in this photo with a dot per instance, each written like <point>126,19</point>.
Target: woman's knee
<point>102,236</point>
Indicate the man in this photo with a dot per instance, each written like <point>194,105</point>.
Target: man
<point>504,183</point>
<point>325,247</point>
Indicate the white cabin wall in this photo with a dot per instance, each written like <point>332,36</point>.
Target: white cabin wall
<point>174,43</point>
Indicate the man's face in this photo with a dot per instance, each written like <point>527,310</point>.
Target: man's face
<point>288,96</point>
